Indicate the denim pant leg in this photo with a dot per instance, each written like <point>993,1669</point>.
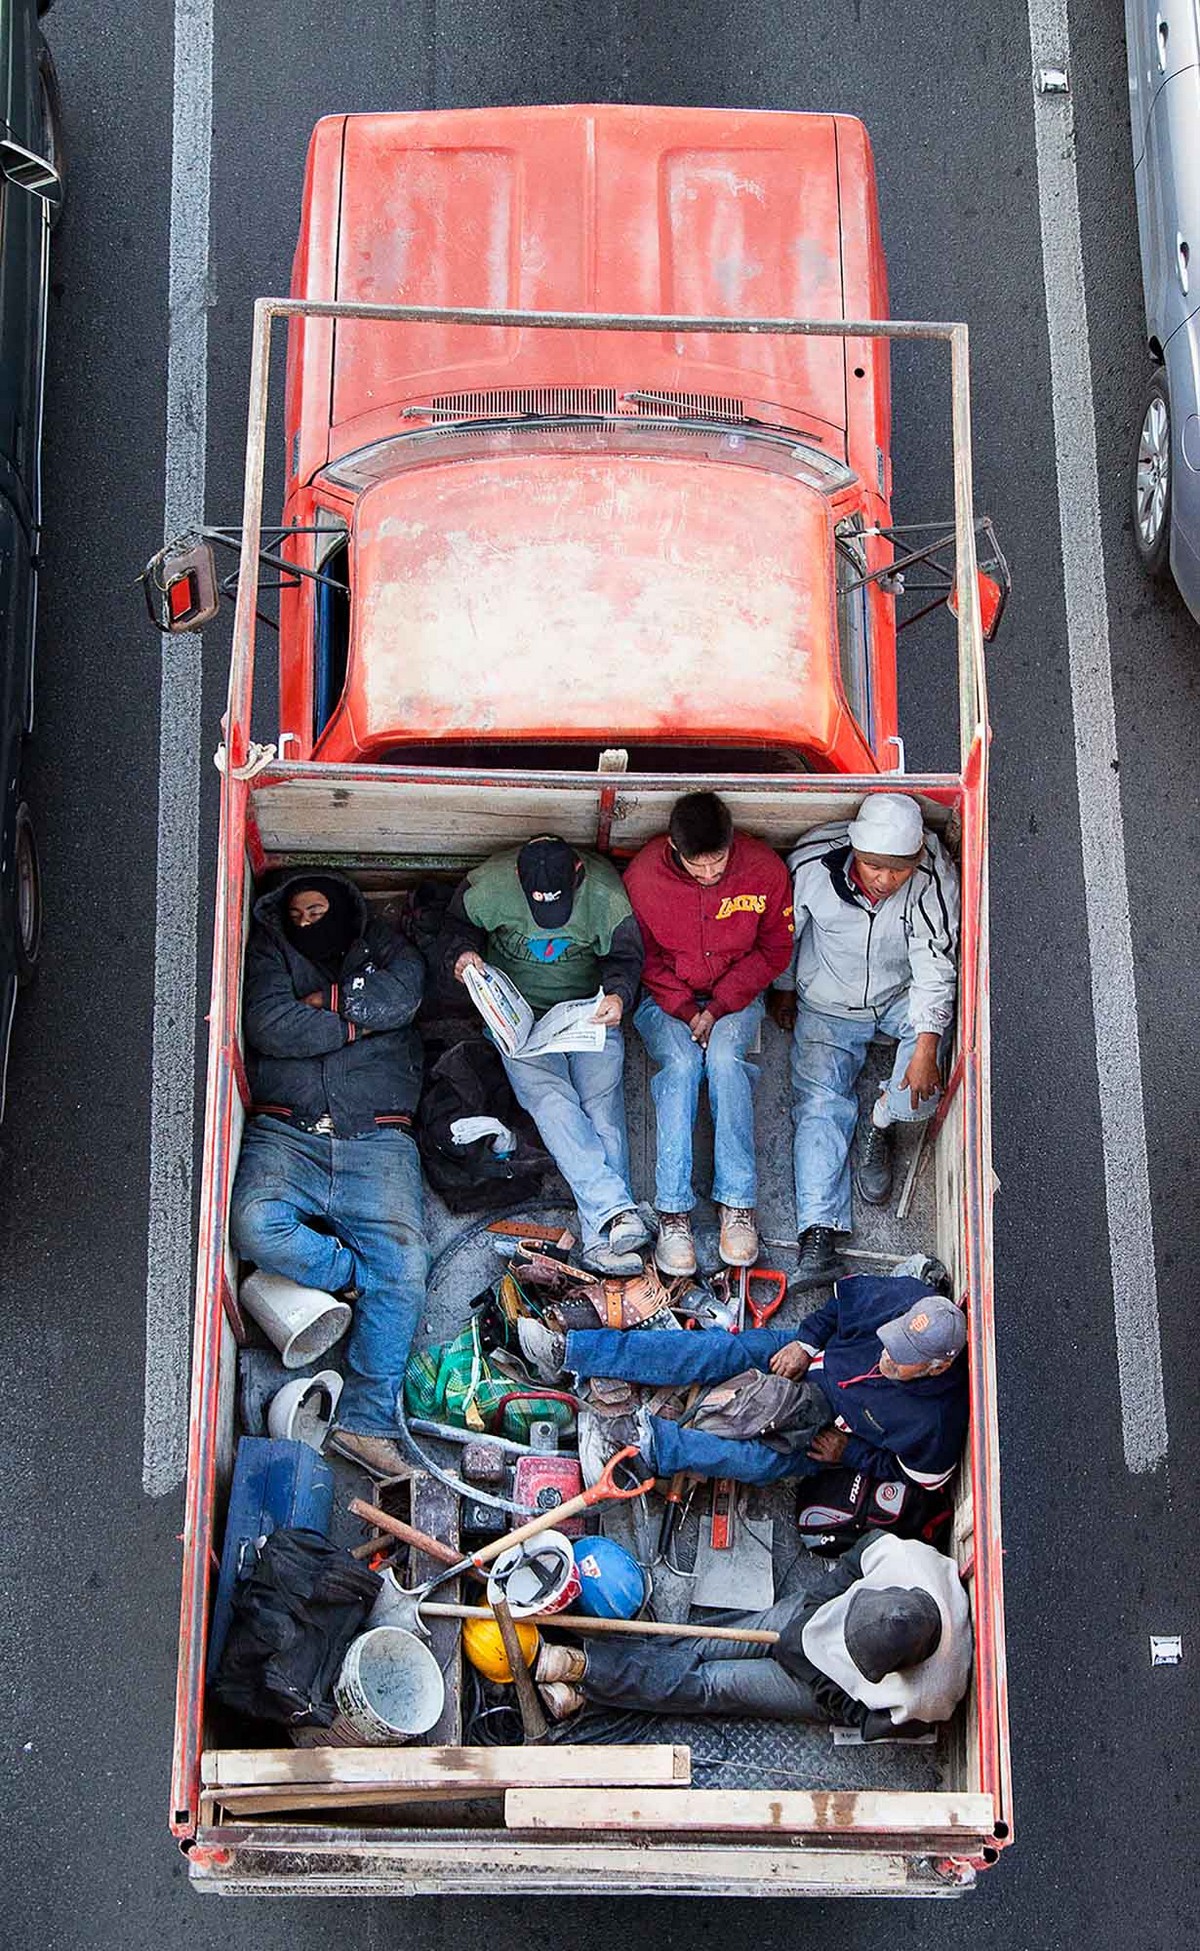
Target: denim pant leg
<point>656,1357</point>
<point>377,1201</point>
<point>732,1078</point>
<point>675,1088</point>
<point>588,1154</point>
<point>894,1022</point>
<point>282,1185</point>
<point>702,1676</point>
<point>827,1054</point>
<point>745,1459</point>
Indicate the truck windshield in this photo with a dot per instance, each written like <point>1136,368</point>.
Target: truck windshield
<point>752,443</point>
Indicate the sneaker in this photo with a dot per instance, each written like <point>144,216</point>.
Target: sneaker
<point>377,1455</point>
<point>627,1232</point>
<point>873,1163</point>
<point>543,1349</point>
<point>559,1663</point>
<point>739,1236</point>
<point>675,1249</point>
<point>602,1437</point>
<point>819,1264</point>
<point>560,1700</point>
<point>603,1259</point>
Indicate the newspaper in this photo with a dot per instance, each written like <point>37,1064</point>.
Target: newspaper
<point>566,1027</point>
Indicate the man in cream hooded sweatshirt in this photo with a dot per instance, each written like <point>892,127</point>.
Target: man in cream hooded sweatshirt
<point>882,1643</point>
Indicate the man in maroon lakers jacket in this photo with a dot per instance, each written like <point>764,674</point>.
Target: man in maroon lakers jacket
<point>715,911</point>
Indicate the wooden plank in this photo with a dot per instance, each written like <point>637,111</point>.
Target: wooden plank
<point>434,1509</point>
<point>319,810</point>
<point>478,1769</point>
<point>336,1865</point>
<point>848,1812</point>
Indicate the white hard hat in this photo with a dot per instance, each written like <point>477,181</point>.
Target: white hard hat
<point>888,823</point>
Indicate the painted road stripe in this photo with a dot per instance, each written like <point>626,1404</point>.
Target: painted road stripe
<point>169,1269</point>
<point>1110,939</point>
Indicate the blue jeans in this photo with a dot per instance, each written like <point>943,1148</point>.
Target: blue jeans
<point>703,1676</point>
<point>334,1213</point>
<point>828,1053</point>
<point>680,1065</point>
<point>577,1102</point>
<point>657,1357</point>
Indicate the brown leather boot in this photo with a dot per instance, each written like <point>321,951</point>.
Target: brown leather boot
<point>675,1249</point>
<point>739,1236</point>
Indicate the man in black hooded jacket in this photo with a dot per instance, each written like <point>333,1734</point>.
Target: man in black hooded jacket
<point>328,1187</point>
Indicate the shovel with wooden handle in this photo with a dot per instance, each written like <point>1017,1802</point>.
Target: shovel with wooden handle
<point>605,1490</point>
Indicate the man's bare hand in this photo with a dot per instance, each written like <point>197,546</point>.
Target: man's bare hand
<point>701,1027</point>
<point>923,1078</point>
<point>468,960</point>
<point>316,1000</point>
<point>781,1007</point>
<point>828,1444</point>
<point>610,1011</point>
<point>791,1361</point>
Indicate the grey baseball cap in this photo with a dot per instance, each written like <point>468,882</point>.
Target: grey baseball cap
<point>932,1330</point>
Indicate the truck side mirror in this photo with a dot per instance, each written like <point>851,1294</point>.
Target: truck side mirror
<point>181,587</point>
<point>993,595</point>
<point>21,166</point>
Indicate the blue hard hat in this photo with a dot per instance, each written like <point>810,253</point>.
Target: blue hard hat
<point>612,1583</point>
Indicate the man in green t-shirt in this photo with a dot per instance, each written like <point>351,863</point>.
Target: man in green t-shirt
<point>559,926</point>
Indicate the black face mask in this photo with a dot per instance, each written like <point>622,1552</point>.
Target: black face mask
<point>323,942</point>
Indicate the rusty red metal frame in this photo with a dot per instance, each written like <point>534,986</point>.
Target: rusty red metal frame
<point>238,835</point>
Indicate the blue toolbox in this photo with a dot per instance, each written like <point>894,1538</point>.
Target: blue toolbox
<point>277,1485</point>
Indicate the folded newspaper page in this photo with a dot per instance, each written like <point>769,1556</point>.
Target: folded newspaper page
<point>566,1027</point>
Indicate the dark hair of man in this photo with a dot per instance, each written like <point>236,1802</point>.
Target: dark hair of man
<point>700,824</point>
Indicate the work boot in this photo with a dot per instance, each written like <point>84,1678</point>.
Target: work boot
<point>543,1349</point>
<point>819,1264</point>
<point>739,1236</point>
<point>873,1163</point>
<point>559,1663</point>
<point>377,1455</point>
<point>560,1700</point>
<point>675,1249</point>
<point>628,1231</point>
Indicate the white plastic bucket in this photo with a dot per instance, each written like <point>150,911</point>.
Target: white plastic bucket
<point>303,1410</point>
<point>302,1321</point>
<point>529,1582</point>
<point>390,1687</point>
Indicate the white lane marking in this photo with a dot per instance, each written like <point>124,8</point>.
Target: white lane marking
<point>169,1268</point>
<point>1110,939</point>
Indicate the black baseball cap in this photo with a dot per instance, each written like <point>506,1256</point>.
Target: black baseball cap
<point>891,1627</point>
<point>548,870</point>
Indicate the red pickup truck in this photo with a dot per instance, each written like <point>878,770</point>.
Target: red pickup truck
<point>587,493</point>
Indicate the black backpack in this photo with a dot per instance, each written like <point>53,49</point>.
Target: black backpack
<point>468,1081</point>
<point>836,1506</point>
<point>294,1618</point>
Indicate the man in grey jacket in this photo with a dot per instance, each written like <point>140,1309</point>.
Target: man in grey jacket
<point>876,917</point>
<point>882,1643</point>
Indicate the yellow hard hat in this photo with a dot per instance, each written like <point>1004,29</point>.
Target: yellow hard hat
<point>484,1647</point>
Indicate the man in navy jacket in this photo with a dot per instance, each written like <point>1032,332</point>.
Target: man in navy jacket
<point>880,1361</point>
<point>328,1187</point>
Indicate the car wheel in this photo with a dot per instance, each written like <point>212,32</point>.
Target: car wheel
<point>28,896</point>
<point>52,126</point>
<point>1151,483</point>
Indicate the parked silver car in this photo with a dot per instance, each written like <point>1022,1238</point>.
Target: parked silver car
<point>1163,45</point>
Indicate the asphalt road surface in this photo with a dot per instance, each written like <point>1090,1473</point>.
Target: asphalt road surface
<point>1097,1558</point>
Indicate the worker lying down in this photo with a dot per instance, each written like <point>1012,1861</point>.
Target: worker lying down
<point>882,1386</point>
<point>882,1643</point>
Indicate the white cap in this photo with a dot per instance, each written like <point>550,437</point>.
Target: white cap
<point>888,823</point>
